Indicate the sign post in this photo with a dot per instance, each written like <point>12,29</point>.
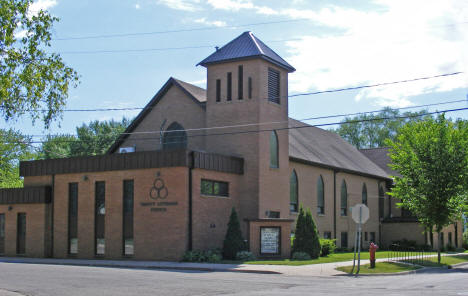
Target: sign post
<point>360,215</point>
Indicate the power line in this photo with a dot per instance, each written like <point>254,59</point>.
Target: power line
<point>270,129</point>
<point>155,49</point>
<point>289,96</point>
<point>281,122</point>
<point>176,31</point>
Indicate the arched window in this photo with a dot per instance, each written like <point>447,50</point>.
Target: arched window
<point>344,199</point>
<point>174,137</point>
<point>381,202</point>
<point>274,163</point>
<point>364,194</point>
<point>293,192</point>
<point>320,196</point>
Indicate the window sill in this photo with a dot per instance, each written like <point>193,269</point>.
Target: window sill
<point>278,105</point>
<point>293,213</point>
<point>344,216</point>
<point>321,215</point>
<point>214,196</point>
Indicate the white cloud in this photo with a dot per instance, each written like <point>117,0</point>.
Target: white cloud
<point>137,6</point>
<point>210,23</point>
<point>408,39</point>
<point>185,5</point>
<point>41,5</point>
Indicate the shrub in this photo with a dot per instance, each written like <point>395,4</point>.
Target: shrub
<point>306,237</point>
<point>449,248</point>
<point>233,241</point>
<point>211,256</point>
<point>245,256</point>
<point>300,256</point>
<point>328,246</point>
<point>460,250</point>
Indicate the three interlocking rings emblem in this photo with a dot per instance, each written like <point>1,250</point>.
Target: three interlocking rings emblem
<point>159,190</point>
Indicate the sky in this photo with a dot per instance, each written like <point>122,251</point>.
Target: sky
<point>332,45</point>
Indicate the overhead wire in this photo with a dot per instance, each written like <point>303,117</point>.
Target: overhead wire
<point>272,129</point>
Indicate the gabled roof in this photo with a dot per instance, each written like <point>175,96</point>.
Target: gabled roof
<point>320,147</point>
<point>244,47</point>
<point>380,157</point>
<point>197,94</point>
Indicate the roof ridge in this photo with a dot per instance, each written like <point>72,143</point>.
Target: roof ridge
<point>255,41</point>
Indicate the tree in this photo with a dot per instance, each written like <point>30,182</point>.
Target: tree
<point>233,242</point>
<point>306,238</point>
<point>13,148</point>
<point>371,131</point>
<point>432,158</point>
<point>32,79</point>
<point>93,138</point>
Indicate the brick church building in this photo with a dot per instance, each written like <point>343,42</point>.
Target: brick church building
<point>169,182</point>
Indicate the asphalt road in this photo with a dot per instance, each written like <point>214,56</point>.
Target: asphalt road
<point>35,279</point>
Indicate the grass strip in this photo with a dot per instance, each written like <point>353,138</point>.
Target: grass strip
<point>380,267</point>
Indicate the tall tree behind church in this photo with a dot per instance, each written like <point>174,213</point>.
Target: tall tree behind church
<point>371,130</point>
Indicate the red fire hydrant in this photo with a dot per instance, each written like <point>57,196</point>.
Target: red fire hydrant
<point>372,248</point>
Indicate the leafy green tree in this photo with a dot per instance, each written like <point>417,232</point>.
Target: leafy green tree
<point>371,130</point>
<point>57,146</point>
<point>432,158</point>
<point>233,242</point>
<point>306,236</point>
<point>32,79</point>
<point>13,148</point>
<point>93,138</point>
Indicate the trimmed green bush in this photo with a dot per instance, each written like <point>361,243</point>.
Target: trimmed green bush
<point>306,236</point>
<point>233,242</point>
<point>245,256</point>
<point>212,256</point>
<point>328,246</point>
<point>300,256</point>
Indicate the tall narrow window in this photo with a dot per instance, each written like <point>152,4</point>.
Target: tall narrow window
<point>450,238</point>
<point>128,217</point>
<point>240,82</point>
<point>174,137</point>
<point>73,218</point>
<point>218,90</point>
<point>273,86</point>
<point>364,194</point>
<point>344,239</point>
<point>274,162</point>
<point>293,192</point>
<point>250,87</point>
<point>381,202</point>
<point>21,234</point>
<point>320,196</point>
<point>344,199</point>
<point>2,233</point>
<point>229,86</point>
<point>99,217</point>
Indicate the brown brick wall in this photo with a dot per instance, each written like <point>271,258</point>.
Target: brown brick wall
<point>157,235</point>
<point>211,213</point>
<point>36,239</point>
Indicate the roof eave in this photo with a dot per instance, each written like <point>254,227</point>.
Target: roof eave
<point>288,67</point>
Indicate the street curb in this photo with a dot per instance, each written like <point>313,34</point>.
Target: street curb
<point>191,268</point>
<point>457,265</point>
<point>385,274</point>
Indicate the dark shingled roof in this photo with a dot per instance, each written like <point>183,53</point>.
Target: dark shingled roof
<point>380,157</point>
<point>243,47</point>
<point>324,148</point>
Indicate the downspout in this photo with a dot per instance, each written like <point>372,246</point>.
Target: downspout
<point>52,217</point>
<point>334,204</point>
<point>190,224</point>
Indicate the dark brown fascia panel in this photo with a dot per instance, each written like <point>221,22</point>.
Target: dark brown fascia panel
<point>133,161</point>
<point>26,195</point>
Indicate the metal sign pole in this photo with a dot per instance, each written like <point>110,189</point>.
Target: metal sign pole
<point>355,246</point>
<point>359,241</point>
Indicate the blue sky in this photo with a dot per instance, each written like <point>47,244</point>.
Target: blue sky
<point>332,44</point>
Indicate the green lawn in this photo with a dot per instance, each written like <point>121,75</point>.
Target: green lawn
<point>380,267</point>
<point>336,257</point>
<point>445,260</point>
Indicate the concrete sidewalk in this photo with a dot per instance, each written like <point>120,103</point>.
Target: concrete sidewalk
<point>323,269</point>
